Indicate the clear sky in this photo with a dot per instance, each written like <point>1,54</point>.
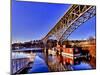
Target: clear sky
<point>33,20</point>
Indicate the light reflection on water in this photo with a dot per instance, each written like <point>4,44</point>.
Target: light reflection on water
<point>39,64</point>
<point>82,66</point>
<point>19,55</point>
<point>59,60</point>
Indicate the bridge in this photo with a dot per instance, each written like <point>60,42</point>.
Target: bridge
<point>75,16</point>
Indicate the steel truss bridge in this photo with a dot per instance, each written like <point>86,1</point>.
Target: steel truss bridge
<point>75,16</point>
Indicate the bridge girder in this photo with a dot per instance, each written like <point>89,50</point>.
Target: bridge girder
<point>72,19</point>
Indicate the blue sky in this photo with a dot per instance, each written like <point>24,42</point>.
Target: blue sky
<point>33,20</point>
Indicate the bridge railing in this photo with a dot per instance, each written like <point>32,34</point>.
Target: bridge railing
<point>18,64</point>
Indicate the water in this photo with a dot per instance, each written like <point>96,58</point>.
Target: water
<point>82,66</point>
<point>19,55</point>
<point>39,64</point>
<point>25,49</point>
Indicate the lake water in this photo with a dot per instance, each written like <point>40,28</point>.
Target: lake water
<point>39,65</point>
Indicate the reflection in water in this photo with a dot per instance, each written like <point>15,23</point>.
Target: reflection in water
<point>45,62</point>
<point>82,66</point>
<point>39,64</point>
<point>57,63</point>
